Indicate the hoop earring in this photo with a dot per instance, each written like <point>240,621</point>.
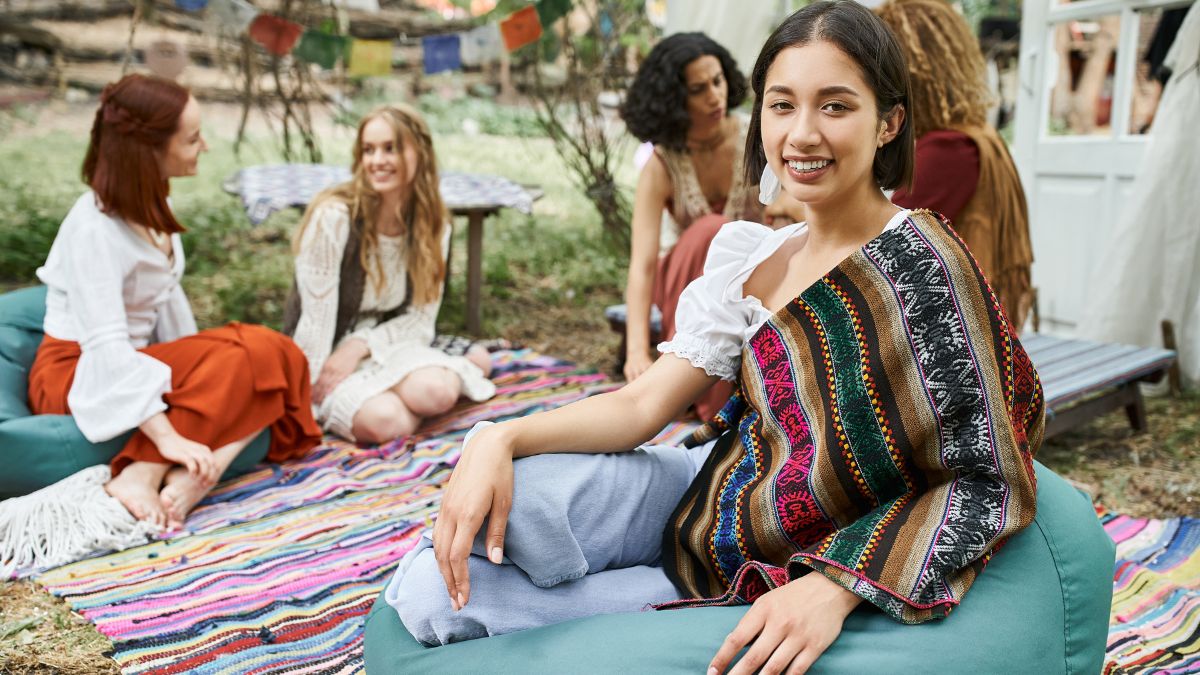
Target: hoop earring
<point>768,186</point>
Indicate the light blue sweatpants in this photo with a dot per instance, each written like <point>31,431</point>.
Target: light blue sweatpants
<point>584,537</point>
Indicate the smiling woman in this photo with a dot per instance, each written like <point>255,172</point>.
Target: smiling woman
<point>370,262</point>
<point>876,455</point>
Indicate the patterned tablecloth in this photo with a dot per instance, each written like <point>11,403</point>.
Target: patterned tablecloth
<point>273,187</point>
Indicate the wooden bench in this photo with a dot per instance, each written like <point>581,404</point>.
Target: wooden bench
<point>1081,380</point>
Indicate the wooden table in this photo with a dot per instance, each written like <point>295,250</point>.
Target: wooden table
<point>269,188</point>
<point>476,215</point>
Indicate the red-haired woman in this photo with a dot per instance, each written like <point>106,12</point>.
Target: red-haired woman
<point>121,350</point>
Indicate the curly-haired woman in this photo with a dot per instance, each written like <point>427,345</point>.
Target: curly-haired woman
<point>680,101</point>
<point>963,168</point>
<point>370,261</point>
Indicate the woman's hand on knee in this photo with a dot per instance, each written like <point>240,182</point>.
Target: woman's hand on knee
<point>480,487</point>
<point>636,363</point>
<point>340,365</point>
<point>787,628</point>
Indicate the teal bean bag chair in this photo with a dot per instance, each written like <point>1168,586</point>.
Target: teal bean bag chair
<point>1041,606</point>
<point>38,450</point>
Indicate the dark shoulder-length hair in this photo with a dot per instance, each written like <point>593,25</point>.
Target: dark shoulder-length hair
<point>137,117</point>
<point>855,30</point>
<point>655,107</point>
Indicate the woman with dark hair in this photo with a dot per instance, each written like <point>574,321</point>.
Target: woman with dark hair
<point>681,101</point>
<point>963,168</point>
<point>879,447</point>
<point>370,261</point>
<point>121,350</point>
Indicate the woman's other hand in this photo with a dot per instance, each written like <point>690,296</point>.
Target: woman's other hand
<point>480,487</point>
<point>197,458</point>
<point>636,363</point>
<point>340,364</point>
<point>787,628</point>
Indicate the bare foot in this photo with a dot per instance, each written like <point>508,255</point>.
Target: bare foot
<point>137,490</point>
<point>180,494</point>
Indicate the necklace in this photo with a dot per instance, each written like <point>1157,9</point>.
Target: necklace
<point>160,240</point>
<point>158,236</point>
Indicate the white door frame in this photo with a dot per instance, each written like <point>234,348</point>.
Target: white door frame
<point>1095,170</point>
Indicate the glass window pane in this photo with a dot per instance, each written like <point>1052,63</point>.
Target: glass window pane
<point>1081,99</point>
<point>1156,32</point>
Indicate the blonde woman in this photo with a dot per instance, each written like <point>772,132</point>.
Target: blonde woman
<point>370,262</point>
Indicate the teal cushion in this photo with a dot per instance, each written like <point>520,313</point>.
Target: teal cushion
<point>41,450</point>
<point>1041,606</point>
<point>38,450</point>
<point>14,388</point>
<point>21,315</point>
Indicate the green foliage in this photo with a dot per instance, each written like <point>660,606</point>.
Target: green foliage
<point>39,184</point>
<point>450,116</point>
<point>29,226</point>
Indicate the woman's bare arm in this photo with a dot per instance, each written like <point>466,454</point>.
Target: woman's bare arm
<point>653,190</point>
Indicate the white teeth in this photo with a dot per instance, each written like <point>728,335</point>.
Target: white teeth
<point>809,166</point>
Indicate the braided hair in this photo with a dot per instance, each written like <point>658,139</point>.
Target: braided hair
<point>137,117</point>
<point>945,66</point>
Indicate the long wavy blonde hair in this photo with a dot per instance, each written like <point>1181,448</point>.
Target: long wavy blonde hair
<point>421,210</point>
<point>945,66</point>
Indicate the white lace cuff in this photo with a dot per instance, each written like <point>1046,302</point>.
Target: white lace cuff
<point>704,355</point>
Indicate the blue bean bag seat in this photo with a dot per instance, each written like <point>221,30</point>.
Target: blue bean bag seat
<point>1041,606</point>
<point>38,450</point>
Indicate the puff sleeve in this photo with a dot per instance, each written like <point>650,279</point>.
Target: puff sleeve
<point>713,316</point>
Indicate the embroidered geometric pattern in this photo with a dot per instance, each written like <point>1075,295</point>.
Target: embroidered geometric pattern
<point>888,419</point>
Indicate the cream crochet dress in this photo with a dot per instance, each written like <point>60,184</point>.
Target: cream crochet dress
<point>398,346</point>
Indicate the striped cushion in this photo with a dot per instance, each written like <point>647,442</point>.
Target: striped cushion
<point>616,314</point>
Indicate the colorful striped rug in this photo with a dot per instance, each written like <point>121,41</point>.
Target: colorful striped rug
<point>1155,622</point>
<point>278,568</point>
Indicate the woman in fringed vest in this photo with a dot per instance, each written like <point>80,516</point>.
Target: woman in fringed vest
<point>963,169</point>
<point>370,265</point>
<point>879,448</point>
<point>121,349</point>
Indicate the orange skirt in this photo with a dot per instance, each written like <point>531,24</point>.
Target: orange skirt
<point>675,271</point>
<point>226,384</point>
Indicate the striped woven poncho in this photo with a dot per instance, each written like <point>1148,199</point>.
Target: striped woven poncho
<point>882,434</point>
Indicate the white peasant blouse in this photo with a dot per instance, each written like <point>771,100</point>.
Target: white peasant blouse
<point>715,318</point>
<point>113,293</point>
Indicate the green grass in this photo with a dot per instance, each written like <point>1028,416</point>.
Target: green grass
<point>241,272</point>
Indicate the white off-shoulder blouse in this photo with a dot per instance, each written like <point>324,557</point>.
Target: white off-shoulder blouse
<point>715,318</point>
<point>113,293</point>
